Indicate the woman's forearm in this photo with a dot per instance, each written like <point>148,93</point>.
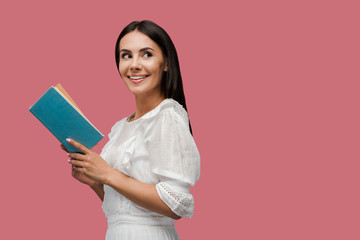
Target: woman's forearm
<point>98,189</point>
<point>143,194</point>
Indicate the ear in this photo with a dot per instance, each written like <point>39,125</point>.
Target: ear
<point>166,67</point>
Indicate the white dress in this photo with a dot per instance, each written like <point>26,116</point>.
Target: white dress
<point>159,149</point>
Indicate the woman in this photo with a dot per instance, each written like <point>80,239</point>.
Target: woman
<point>144,172</point>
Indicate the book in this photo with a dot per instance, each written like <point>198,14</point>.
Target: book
<point>58,112</point>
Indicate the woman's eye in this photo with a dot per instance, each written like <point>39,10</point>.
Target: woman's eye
<point>125,55</point>
<point>147,54</point>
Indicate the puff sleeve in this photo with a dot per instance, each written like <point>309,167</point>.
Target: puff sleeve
<point>175,158</point>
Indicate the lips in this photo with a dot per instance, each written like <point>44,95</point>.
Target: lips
<point>137,78</point>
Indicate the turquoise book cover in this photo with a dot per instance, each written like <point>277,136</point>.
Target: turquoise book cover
<point>60,115</point>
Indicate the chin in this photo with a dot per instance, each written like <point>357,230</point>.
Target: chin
<point>138,90</point>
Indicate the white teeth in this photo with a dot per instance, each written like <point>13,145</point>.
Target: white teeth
<point>137,78</point>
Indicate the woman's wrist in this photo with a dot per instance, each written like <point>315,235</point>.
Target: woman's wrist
<point>98,188</point>
<point>94,185</point>
<point>114,176</point>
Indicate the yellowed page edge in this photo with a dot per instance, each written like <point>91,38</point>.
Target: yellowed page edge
<point>67,96</point>
<point>62,92</point>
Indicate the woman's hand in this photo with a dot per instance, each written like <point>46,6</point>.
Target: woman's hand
<point>79,176</point>
<point>88,167</point>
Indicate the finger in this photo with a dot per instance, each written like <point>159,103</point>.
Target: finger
<point>78,145</point>
<point>76,163</point>
<point>76,170</point>
<point>77,156</point>
<point>64,148</point>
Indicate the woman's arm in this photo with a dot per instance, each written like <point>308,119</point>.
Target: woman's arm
<point>98,189</point>
<point>91,165</point>
<point>143,194</point>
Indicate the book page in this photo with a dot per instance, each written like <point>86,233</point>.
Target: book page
<point>67,97</point>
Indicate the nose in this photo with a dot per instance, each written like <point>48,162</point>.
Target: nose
<point>135,64</point>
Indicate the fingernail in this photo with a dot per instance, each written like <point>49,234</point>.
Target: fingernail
<point>68,160</point>
<point>68,140</point>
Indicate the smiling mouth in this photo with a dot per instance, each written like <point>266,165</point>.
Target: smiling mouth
<point>137,79</point>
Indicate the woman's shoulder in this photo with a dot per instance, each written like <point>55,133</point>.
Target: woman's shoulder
<point>170,108</point>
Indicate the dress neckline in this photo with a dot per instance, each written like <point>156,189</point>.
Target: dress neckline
<point>149,113</point>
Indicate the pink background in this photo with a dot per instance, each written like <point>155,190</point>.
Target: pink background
<point>273,95</point>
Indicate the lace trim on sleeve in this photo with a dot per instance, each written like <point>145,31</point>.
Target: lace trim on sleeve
<point>181,203</point>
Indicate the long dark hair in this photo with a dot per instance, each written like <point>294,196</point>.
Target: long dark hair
<point>171,82</point>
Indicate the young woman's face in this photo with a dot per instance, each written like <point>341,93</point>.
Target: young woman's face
<point>141,64</point>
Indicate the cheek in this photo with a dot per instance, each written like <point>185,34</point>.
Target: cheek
<point>122,69</point>
<point>155,68</point>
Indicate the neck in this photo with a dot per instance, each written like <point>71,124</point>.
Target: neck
<point>145,104</point>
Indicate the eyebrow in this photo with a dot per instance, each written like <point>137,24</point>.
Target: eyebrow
<point>141,50</point>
